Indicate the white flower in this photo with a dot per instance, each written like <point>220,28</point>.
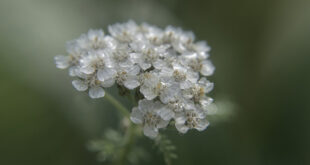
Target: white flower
<point>121,55</point>
<point>152,33</point>
<point>198,63</point>
<point>95,61</point>
<point>71,61</point>
<point>152,85</point>
<point>174,102</point>
<point>62,62</point>
<point>100,65</point>
<point>124,32</point>
<point>197,92</point>
<point>94,39</point>
<point>207,68</point>
<point>143,54</point>
<point>189,119</point>
<point>147,55</point>
<point>167,67</point>
<point>181,74</point>
<point>128,76</point>
<point>201,48</point>
<point>165,62</point>
<point>92,83</point>
<point>179,39</point>
<point>75,54</point>
<point>147,114</point>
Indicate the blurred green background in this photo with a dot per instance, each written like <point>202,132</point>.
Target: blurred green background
<point>261,50</point>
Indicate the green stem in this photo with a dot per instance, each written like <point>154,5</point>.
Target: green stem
<point>131,132</point>
<point>122,109</point>
<point>129,142</point>
<point>133,100</point>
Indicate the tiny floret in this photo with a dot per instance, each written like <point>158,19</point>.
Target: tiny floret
<point>147,115</point>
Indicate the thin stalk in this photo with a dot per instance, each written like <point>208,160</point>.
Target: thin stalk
<point>129,143</point>
<point>119,106</point>
<point>132,99</point>
<point>131,133</point>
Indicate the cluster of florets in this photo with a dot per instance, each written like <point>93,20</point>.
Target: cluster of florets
<point>166,66</point>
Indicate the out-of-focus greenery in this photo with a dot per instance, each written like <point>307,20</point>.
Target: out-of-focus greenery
<point>261,50</point>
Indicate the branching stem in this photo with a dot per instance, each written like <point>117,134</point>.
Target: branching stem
<point>130,138</point>
<point>119,106</point>
<point>131,132</point>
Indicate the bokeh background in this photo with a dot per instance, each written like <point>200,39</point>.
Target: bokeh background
<point>261,50</point>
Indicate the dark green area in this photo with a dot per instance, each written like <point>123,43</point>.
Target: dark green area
<point>261,50</point>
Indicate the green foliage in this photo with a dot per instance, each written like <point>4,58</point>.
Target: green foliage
<point>107,146</point>
<point>111,148</point>
<point>166,147</point>
<point>137,155</point>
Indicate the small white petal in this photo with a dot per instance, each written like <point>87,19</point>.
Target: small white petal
<point>209,87</point>
<point>189,105</point>
<point>181,128</point>
<point>126,63</point>
<point>203,81</point>
<point>150,132</point>
<point>62,62</point>
<point>108,62</point>
<point>131,83</point>
<point>87,69</point>
<point>108,83</point>
<point>185,84</point>
<point>200,114</point>
<point>110,42</point>
<point>166,72</point>
<point>169,94</point>
<point>96,92</point>
<point>180,119</point>
<point>148,93</point>
<point>202,125</point>
<point>134,70</point>
<point>187,94</point>
<point>202,46</point>
<point>145,65</point>
<point>95,34</point>
<point>105,74</point>
<point>136,56</point>
<point>146,105</point>
<point>163,123</point>
<point>180,47</point>
<point>205,101</point>
<point>80,85</point>
<point>192,77</point>
<point>207,68</point>
<point>159,64</point>
<point>74,71</point>
<point>166,113</point>
<point>136,116</point>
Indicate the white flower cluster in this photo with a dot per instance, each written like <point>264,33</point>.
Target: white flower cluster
<point>165,65</point>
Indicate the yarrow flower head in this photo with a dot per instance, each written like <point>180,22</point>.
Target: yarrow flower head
<point>167,67</point>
